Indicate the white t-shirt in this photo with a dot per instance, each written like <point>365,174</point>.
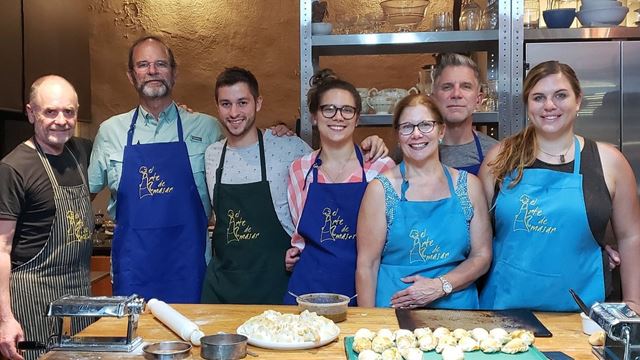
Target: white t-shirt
<point>242,166</point>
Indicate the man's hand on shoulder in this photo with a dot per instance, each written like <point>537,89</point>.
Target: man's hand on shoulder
<point>373,148</point>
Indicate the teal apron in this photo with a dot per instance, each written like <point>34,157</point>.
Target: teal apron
<point>328,225</point>
<point>249,243</point>
<point>427,238</point>
<point>543,245</point>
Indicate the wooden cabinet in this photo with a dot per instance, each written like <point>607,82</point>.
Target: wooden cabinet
<point>100,276</point>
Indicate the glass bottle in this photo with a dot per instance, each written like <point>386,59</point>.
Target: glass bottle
<point>470,14</point>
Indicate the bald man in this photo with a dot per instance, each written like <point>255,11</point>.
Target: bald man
<point>46,219</point>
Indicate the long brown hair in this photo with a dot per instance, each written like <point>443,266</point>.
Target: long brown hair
<point>519,151</point>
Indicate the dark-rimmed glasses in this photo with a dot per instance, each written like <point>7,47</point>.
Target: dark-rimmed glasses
<point>424,127</point>
<point>329,111</point>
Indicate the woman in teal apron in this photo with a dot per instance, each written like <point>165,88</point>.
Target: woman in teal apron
<point>422,241</point>
<point>334,178</point>
<point>544,221</point>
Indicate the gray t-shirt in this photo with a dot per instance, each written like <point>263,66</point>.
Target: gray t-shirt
<point>242,165</point>
<point>466,154</point>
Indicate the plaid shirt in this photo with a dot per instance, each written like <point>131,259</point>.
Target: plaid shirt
<point>297,191</point>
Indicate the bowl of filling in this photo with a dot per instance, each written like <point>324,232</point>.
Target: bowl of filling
<point>331,306</point>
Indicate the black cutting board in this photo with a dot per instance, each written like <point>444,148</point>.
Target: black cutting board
<point>470,319</point>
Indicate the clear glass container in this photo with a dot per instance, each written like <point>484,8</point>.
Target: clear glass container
<point>633,16</point>
<point>490,16</point>
<point>531,14</point>
<point>470,14</point>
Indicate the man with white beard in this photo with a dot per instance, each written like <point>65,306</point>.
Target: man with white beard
<point>152,160</point>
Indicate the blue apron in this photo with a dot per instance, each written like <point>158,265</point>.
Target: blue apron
<point>328,225</point>
<point>427,238</point>
<point>159,240</point>
<point>543,245</point>
<point>474,169</point>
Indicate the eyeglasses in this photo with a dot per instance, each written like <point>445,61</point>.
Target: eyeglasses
<point>330,111</point>
<point>424,127</point>
<point>159,64</point>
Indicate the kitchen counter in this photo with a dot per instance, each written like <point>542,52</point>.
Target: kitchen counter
<point>566,329</point>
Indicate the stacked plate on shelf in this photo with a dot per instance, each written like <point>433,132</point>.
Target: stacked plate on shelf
<point>601,13</point>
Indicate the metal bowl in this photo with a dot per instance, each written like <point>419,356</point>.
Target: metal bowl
<point>166,350</point>
<point>223,347</point>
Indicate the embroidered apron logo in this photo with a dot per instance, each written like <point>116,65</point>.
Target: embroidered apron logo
<point>424,248</point>
<point>238,228</point>
<point>334,227</point>
<point>151,183</point>
<point>531,217</point>
<point>77,230</point>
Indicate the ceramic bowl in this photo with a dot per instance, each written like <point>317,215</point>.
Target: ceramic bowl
<point>559,18</point>
<point>600,5</point>
<point>583,2</point>
<point>605,17</point>
<point>321,28</point>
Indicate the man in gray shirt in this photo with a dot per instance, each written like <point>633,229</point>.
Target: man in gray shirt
<point>456,88</point>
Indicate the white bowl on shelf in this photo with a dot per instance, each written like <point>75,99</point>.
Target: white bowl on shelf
<point>321,28</point>
<point>602,17</point>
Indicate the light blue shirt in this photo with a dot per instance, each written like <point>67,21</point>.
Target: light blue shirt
<point>105,167</point>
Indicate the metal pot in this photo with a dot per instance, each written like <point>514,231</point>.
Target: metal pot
<point>167,350</point>
<point>223,347</point>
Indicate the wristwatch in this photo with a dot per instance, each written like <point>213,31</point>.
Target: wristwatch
<point>446,286</point>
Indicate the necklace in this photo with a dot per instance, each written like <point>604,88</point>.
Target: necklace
<point>561,156</point>
<point>338,174</point>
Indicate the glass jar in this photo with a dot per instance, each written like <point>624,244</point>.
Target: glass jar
<point>470,14</point>
<point>531,14</point>
<point>490,16</point>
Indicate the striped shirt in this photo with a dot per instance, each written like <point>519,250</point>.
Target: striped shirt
<point>297,191</point>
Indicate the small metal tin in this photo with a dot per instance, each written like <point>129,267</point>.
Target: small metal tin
<point>166,350</point>
<point>223,347</point>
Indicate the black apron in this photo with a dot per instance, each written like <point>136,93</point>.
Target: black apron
<point>249,243</point>
<point>61,267</point>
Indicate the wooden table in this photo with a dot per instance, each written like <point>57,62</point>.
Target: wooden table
<point>566,329</point>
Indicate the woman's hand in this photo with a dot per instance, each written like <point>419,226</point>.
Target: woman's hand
<point>291,258</point>
<point>423,291</point>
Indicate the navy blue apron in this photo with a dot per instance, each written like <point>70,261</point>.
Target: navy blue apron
<point>474,169</point>
<point>427,238</point>
<point>543,245</point>
<point>159,240</point>
<point>328,225</point>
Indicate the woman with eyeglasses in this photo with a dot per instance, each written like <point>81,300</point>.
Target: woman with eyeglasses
<point>325,191</point>
<point>423,230</point>
<point>553,194</point>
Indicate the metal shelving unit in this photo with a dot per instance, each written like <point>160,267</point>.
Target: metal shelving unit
<point>499,45</point>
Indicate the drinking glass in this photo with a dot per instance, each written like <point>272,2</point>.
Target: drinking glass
<point>531,14</point>
<point>442,21</point>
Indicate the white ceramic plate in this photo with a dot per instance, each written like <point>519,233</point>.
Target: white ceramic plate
<point>287,346</point>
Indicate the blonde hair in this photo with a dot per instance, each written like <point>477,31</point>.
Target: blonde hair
<point>519,151</point>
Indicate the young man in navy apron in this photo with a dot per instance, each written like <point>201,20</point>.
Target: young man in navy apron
<point>247,179</point>
<point>46,220</point>
<point>456,89</point>
<point>152,160</point>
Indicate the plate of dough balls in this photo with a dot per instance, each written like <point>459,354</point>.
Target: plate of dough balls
<point>441,343</point>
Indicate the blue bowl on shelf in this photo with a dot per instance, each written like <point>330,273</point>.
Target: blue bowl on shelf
<point>559,18</point>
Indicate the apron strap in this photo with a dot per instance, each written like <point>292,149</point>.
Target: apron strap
<point>47,165</point>
<point>476,139</point>
<point>134,118</point>
<point>317,162</point>
<point>263,166</point>
<point>576,155</point>
<point>405,183</point>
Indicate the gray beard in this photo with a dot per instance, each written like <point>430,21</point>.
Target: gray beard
<point>154,92</point>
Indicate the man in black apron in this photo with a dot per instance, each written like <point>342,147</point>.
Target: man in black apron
<point>456,88</point>
<point>46,220</point>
